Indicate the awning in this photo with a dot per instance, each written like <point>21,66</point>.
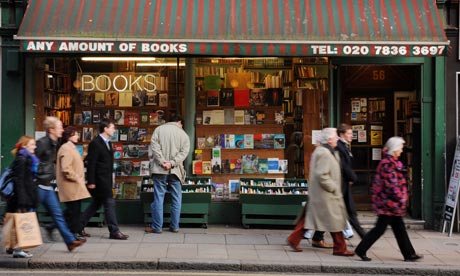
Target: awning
<point>234,27</point>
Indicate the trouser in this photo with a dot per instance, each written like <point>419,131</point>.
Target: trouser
<point>399,230</point>
<point>72,215</point>
<point>109,212</point>
<point>351,211</point>
<point>296,236</point>
<point>166,183</point>
<point>49,200</point>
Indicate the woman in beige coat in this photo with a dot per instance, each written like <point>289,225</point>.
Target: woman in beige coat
<point>326,209</point>
<point>70,177</point>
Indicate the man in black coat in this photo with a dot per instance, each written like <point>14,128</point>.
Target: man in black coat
<point>99,169</point>
<point>348,175</point>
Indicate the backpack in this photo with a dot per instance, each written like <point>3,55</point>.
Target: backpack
<point>7,184</point>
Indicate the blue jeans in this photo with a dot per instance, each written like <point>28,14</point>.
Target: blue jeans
<point>50,202</point>
<point>163,183</point>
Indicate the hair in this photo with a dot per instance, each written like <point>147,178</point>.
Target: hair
<point>393,144</point>
<point>50,122</point>
<point>68,132</point>
<point>104,123</point>
<point>327,133</point>
<point>22,142</point>
<point>343,128</point>
<point>176,118</point>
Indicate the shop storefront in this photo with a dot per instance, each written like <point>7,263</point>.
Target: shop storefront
<point>377,66</point>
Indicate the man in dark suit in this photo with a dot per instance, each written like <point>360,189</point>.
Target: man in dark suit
<point>348,175</point>
<point>99,169</point>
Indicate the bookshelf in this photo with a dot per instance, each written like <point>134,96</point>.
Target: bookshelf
<point>54,96</point>
<point>196,199</point>
<point>271,201</point>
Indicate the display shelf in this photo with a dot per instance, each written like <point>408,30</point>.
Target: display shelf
<point>196,198</point>
<point>271,201</point>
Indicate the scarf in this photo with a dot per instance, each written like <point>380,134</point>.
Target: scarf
<point>25,153</point>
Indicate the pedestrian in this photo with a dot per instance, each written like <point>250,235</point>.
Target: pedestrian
<point>389,199</point>
<point>24,173</point>
<point>168,149</point>
<point>99,168</point>
<point>70,178</point>
<point>348,176</point>
<point>46,152</point>
<point>325,207</point>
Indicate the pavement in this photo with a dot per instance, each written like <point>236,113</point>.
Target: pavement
<point>232,248</point>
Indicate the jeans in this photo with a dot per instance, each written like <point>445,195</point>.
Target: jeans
<point>109,211</point>
<point>172,184</point>
<point>49,200</point>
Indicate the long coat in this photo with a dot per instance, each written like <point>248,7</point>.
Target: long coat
<point>99,168</point>
<point>326,208</point>
<point>25,186</point>
<point>70,174</point>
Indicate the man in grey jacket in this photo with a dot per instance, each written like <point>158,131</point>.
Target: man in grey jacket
<point>168,149</point>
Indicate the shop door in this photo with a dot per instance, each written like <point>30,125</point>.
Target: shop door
<point>379,102</point>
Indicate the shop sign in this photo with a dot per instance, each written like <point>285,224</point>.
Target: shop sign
<point>117,82</point>
<point>451,203</point>
<point>234,48</point>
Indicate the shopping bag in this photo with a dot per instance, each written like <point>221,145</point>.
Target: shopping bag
<point>27,230</point>
<point>8,232</point>
<point>348,232</point>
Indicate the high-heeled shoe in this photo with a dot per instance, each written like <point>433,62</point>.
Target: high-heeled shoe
<point>21,254</point>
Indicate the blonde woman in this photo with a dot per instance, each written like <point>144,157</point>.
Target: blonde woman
<point>70,176</point>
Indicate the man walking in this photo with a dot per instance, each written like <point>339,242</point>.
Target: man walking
<point>348,175</point>
<point>99,168</point>
<point>46,152</point>
<point>168,149</point>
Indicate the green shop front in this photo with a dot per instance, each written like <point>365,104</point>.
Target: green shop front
<point>377,66</point>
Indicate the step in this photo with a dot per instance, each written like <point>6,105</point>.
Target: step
<point>368,219</point>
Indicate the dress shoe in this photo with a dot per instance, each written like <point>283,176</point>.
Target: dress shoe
<point>21,254</point>
<point>119,236</point>
<point>294,247</point>
<point>321,244</point>
<point>363,257</point>
<point>80,238</point>
<point>149,229</point>
<point>173,230</point>
<point>345,253</point>
<point>75,244</point>
<point>82,233</point>
<point>9,251</point>
<point>413,258</point>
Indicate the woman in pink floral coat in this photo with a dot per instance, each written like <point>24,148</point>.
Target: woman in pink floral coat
<point>389,201</point>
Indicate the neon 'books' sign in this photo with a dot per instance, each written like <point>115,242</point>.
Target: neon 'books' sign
<point>119,82</point>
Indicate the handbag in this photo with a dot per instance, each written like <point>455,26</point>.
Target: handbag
<point>27,230</point>
<point>7,184</point>
<point>8,232</point>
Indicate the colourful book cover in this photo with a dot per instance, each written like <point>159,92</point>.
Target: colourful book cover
<point>207,167</point>
<point>132,134</point>
<point>138,98</point>
<point>238,166</point>
<point>197,167</point>
<point>125,99</point>
<point>241,98</point>
<point>201,142</point>
<point>126,168</point>
<point>272,164</point>
<point>142,135</point>
<point>209,142</point>
<point>279,141</point>
<point>123,134</point>
<point>248,141</point>
<point>227,97</point>
<point>99,99</point>
<point>212,97</point>
<point>144,117</point>
<point>257,97</point>
<point>111,99</point>
<point>119,117</point>
<point>258,141</point>
<point>268,141</point>
<point>145,168</point>
<point>136,168</point>
<point>117,150</point>
<point>249,164</point>
<point>239,141</point>
<point>151,98</point>
<point>229,141</point>
<point>283,166</point>
<point>131,118</point>
<point>225,165</point>
<point>143,150</point>
<point>263,165</point>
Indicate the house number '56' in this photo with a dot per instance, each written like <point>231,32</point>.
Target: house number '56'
<point>378,75</point>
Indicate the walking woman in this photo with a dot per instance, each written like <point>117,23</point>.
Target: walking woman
<point>70,177</point>
<point>389,201</point>
<point>25,197</point>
